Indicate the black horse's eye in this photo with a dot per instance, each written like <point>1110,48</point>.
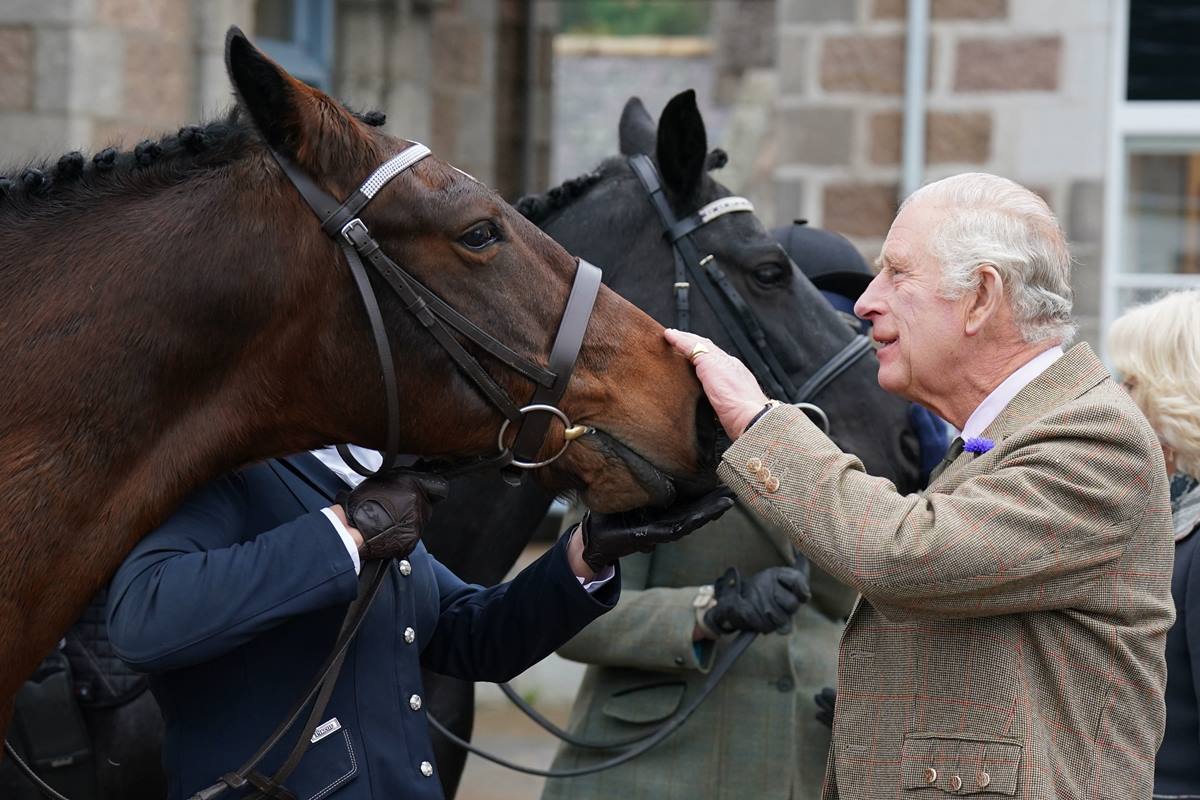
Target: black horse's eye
<point>772,275</point>
<point>482,235</point>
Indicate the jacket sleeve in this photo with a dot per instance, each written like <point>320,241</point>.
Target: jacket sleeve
<point>494,634</point>
<point>198,586</point>
<point>1038,531</point>
<point>651,628</point>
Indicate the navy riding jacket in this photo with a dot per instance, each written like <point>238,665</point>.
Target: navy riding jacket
<point>234,602</point>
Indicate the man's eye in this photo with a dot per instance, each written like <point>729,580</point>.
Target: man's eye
<point>482,235</point>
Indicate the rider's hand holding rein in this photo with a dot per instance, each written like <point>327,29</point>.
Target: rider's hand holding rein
<point>386,514</point>
<point>732,389</point>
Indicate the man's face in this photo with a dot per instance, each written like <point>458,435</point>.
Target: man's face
<point>922,334</point>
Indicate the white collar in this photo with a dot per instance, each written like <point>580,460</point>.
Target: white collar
<point>371,459</point>
<point>987,411</point>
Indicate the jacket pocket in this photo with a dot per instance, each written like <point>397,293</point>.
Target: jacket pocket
<point>642,704</point>
<point>327,765</point>
<point>960,765</point>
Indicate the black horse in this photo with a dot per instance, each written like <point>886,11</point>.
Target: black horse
<point>606,217</point>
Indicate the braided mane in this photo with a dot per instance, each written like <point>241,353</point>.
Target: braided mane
<point>538,207</point>
<point>74,177</point>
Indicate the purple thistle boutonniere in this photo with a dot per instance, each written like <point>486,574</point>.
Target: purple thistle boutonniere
<point>978,445</point>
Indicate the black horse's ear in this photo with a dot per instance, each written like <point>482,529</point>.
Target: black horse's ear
<point>636,131</point>
<point>682,145</point>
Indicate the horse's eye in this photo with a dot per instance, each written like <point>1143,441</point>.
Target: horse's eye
<point>481,236</point>
<point>770,276</point>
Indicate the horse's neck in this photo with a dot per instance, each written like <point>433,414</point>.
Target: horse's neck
<point>137,368</point>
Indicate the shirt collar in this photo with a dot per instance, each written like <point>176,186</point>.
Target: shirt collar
<point>371,459</point>
<point>1002,395</point>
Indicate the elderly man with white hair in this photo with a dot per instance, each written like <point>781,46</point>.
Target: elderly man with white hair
<point>1009,639</point>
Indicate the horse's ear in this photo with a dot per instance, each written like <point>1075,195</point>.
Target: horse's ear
<point>292,117</point>
<point>682,145</point>
<point>636,131</point>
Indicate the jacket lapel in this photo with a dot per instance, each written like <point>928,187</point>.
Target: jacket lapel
<point>310,482</point>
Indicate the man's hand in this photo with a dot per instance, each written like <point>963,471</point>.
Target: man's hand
<point>732,389</point>
<point>608,537</point>
<point>389,511</point>
<point>762,603</point>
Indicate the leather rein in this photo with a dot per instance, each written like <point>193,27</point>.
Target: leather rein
<point>742,326</point>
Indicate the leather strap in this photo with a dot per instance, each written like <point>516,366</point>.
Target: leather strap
<point>845,358</point>
<point>563,355</point>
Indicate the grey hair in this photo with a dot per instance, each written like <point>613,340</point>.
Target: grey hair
<point>992,220</point>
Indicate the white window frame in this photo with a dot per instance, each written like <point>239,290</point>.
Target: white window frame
<point>1128,121</point>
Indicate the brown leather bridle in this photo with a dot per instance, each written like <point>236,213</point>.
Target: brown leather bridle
<point>341,222</point>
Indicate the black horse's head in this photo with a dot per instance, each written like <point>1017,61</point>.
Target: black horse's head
<point>607,217</point>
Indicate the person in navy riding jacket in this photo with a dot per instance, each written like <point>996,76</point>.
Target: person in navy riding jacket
<point>233,603</point>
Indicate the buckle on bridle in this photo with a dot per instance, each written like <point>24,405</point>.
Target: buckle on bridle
<point>570,433</point>
<point>355,232</point>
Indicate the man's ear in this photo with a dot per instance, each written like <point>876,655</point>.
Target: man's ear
<point>987,301</point>
<point>294,119</point>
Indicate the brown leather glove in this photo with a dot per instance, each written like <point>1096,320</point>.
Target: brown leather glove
<point>390,511</point>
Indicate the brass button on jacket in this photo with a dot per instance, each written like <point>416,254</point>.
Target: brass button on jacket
<point>955,783</point>
<point>985,780</point>
<point>930,775</point>
<point>754,466</point>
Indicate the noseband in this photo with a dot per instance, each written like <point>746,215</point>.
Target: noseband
<point>342,223</point>
<point>736,316</point>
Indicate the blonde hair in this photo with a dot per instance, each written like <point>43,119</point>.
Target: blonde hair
<point>992,220</point>
<point>1157,348</point>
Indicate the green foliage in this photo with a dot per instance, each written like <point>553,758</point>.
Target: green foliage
<point>636,17</point>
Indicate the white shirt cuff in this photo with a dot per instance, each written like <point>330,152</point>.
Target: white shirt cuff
<point>347,539</point>
<point>595,584</point>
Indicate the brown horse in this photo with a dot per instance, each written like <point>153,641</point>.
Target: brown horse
<point>171,313</point>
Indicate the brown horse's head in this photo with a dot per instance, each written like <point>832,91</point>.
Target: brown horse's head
<point>652,430</point>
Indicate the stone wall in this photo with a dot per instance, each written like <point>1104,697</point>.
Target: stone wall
<point>1016,87</point>
<point>460,75</point>
<point>86,73</point>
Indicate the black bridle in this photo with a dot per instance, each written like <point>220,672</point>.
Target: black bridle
<point>735,315</point>
<point>742,326</point>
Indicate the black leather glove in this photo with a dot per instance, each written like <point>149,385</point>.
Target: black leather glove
<point>826,703</point>
<point>762,603</point>
<point>608,537</point>
<point>390,510</point>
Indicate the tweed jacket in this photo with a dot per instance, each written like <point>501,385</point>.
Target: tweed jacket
<point>756,736</point>
<point>1010,638</point>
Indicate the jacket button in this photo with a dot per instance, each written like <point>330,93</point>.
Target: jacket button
<point>930,775</point>
<point>754,466</point>
<point>426,769</point>
<point>771,484</point>
<point>414,702</point>
<point>410,636</point>
<point>785,684</point>
<point>955,783</point>
<point>985,780</point>
<point>405,567</point>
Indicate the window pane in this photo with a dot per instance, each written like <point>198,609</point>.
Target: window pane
<point>1162,210</point>
<point>1164,47</point>
<point>275,19</point>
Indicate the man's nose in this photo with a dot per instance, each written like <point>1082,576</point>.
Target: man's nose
<point>867,305</point>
